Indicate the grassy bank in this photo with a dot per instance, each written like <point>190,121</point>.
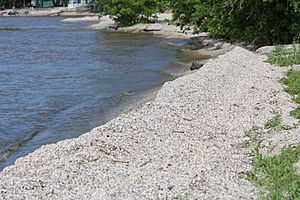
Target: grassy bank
<point>285,56</point>
<point>276,176</point>
<point>292,81</point>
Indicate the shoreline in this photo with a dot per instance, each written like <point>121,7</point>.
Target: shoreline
<point>48,12</point>
<point>202,45</point>
<point>125,103</point>
<point>186,143</point>
<point>131,100</point>
<point>160,28</point>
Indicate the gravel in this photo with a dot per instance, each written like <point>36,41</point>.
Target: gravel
<point>187,143</point>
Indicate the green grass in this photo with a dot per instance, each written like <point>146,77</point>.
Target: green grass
<point>274,122</point>
<point>296,113</point>
<point>285,56</point>
<point>276,176</point>
<point>254,138</point>
<point>292,81</point>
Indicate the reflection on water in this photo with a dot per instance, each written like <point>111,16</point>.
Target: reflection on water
<point>59,80</point>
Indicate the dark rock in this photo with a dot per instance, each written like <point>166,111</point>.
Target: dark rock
<point>196,65</point>
<point>13,12</point>
<point>114,26</point>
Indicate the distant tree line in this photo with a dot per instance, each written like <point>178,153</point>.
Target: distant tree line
<point>259,22</point>
<point>28,3</point>
<point>12,3</point>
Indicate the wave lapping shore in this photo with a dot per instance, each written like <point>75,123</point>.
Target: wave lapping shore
<point>187,143</point>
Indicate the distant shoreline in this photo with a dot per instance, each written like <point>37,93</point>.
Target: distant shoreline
<point>47,12</point>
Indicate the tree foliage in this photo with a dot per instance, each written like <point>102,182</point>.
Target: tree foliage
<point>259,22</point>
<point>11,3</point>
<point>27,3</point>
<point>127,12</point>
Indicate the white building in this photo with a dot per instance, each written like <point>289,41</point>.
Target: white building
<point>78,3</point>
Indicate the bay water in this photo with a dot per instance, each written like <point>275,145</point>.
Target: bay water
<point>58,80</point>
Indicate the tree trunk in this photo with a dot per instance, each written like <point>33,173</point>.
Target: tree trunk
<point>57,3</point>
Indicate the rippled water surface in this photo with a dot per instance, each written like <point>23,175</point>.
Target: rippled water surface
<point>59,80</point>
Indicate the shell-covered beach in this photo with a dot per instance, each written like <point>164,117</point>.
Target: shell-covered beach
<point>186,143</point>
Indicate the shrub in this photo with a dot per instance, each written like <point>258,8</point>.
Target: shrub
<point>276,176</point>
<point>260,22</point>
<point>163,5</point>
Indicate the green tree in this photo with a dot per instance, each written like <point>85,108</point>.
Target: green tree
<point>11,3</point>
<point>163,5</point>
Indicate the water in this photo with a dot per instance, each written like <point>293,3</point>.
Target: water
<point>59,80</point>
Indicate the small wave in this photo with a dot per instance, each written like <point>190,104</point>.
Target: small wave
<point>5,73</point>
<point>164,73</point>
<point>118,98</point>
<point>5,153</point>
<point>170,44</point>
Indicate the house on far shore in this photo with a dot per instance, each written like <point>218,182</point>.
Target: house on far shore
<point>48,3</point>
<point>78,3</point>
<point>55,3</point>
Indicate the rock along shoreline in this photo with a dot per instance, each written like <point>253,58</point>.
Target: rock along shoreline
<point>187,143</point>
